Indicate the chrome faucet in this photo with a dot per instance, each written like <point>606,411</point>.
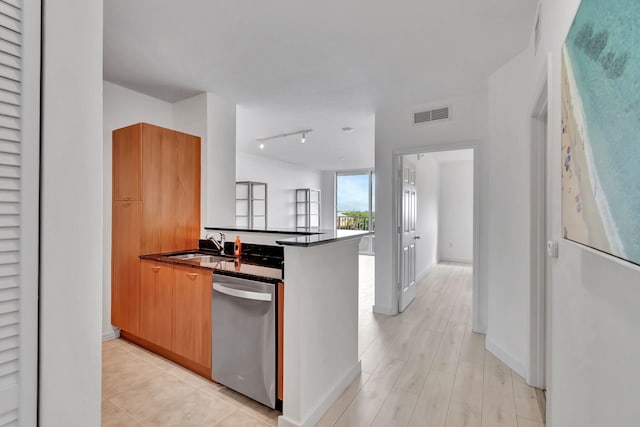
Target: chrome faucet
<point>219,245</point>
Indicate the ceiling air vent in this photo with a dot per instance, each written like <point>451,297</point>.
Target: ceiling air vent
<point>431,115</point>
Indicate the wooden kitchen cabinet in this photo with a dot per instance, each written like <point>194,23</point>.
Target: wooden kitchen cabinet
<point>125,265</point>
<point>192,314</point>
<point>157,171</point>
<point>186,205</point>
<point>127,166</point>
<point>156,303</point>
<point>171,190</point>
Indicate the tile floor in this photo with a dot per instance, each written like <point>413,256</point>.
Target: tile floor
<point>423,368</point>
<point>142,389</point>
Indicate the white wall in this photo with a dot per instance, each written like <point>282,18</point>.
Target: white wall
<point>455,241</point>
<point>509,99</point>
<point>221,162</point>
<point>190,116</point>
<point>594,298</point>
<point>122,107</point>
<point>71,245</point>
<point>282,179</point>
<point>328,200</point>
<point>396,133</point>
<point>428,189</point>
<point>319,278</point>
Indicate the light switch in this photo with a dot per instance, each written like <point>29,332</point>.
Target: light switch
<point>552,248</point>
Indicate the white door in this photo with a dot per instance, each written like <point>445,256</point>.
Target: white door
<point>407,234</point>
<point>19,186</point>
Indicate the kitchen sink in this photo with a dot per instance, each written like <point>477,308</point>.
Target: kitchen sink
<point>210,259</point>
<point>188,256</point>
<point>200,257</point>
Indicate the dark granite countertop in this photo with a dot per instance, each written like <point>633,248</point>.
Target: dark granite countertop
<point>302,237</point>
<point>295,231</point>
<point>324,238</point>
<point>248,267</point>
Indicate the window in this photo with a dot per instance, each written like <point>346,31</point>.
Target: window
<point>355,204</point>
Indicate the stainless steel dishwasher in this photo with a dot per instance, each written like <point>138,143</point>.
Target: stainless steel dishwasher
<point>243,317</point>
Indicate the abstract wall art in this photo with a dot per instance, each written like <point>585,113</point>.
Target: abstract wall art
<point>601,128</point>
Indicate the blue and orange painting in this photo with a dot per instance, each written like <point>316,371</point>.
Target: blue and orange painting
<point>601,128</point>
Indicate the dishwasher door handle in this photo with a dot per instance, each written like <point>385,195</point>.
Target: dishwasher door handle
<point>238,293</point>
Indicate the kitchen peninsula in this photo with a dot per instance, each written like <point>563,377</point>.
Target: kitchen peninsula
<point>320,315</point>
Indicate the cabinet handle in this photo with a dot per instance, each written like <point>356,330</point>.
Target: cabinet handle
<point>192,275</point>
<point>126,205</point>
<point>155,269</point>
<point>127,198</point>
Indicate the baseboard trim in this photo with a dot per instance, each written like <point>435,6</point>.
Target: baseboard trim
<point>506,358</point>
<point>481,329</point>
<point>286,422</point>
<point>326,403</point>
<point>424,273</point>
<point>387,311</point>
<point>110,335</point>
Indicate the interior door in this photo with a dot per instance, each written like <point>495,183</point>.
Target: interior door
<point>407,233</point>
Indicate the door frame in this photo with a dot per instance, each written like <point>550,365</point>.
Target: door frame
<point>539,322</point>
<point>397,203</point>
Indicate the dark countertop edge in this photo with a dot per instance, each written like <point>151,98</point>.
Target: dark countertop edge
<point>164,258</point>
<point>267,231</point>
<point>264,279</point>
<point>319,240</point>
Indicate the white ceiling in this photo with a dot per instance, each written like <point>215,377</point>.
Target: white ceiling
<point>293,64</point>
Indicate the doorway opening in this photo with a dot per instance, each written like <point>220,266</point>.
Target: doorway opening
<point>435,217</point>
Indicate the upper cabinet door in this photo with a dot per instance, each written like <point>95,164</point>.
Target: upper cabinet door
<point>187,191</point>
<point>158,177</point>
<point>170,189</point>
<point>127,163</point>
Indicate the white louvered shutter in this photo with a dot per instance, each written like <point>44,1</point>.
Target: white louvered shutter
<point>10,198</point>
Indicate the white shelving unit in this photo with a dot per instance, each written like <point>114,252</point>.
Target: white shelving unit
<point>307,208</point>
<point>251,204</point>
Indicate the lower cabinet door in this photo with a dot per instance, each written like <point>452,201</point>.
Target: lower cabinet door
<point>125,265</point>
<point>156,310</point>
<point>192,314</point>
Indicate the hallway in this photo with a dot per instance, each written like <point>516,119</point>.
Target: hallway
<point>426,368</point>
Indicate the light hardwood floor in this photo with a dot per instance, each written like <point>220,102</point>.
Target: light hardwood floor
<point>422,368</point>
<point>427,368</point>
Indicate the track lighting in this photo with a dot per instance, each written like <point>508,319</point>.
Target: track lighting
<point>303,139</point>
